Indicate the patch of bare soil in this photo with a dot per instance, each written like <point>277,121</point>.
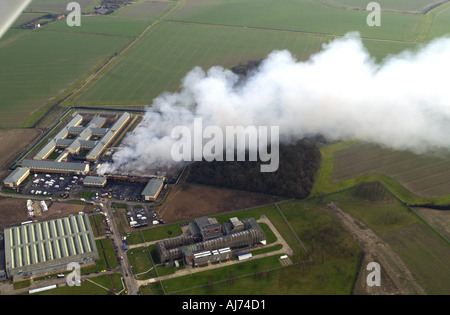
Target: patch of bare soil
<point>438,219</point>
<point>186,201</point>
<point>12,211</point>
<point>14,142</point>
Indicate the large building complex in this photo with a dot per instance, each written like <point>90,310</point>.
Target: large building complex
<point>46,247</point>
<point>200,248</point>
<point>81,141</point>
<point>75,137</point>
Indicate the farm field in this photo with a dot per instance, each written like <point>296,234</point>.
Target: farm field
<point>438,219</point>
<point>159,62</point>
<point>426,176</point>
<point>441,23</point>
<point>422,250</point>
<point>146,10</point>
<point>55,5</point>
<point>297,15</point>
<point>413,6</point>
<point>42,64</point>
<point>103,25</point>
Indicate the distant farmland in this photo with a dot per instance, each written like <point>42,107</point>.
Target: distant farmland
<point>42,64</point>
<point>414,6</point>
<point>426,176</point>
<point>159,61</point>
<point>297,15</point>
<point>146,10</point>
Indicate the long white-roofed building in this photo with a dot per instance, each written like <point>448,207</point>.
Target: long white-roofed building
<point>47,247</point>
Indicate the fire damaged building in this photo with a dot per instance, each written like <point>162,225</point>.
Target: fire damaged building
<point>211,242</point>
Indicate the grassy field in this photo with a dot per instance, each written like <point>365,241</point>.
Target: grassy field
<point>56,5</point>
<point>103,25</point>
<point>42,64</point>
<point>101,285</point>
<point>414,6</point>
<point>422,249</point>
<point>146,10</point>
<point>159,62</point>
<point>441,23</point>
<point>297,15</point>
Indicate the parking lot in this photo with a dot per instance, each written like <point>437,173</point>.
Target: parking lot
<point>52,185</point>
<point>140,216</point>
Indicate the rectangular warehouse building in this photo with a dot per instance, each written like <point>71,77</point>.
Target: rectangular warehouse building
<point>47,247</point>
<point>95,181</point>
<point>56,167</point>
<point>16,177</point>
<point>153,189</point>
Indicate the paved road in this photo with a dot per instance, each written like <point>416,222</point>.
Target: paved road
<point>125,266</point>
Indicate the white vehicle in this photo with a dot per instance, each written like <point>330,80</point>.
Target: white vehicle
<point>56,186</point>
<point>143,218</point>
<point>47,175</point>
<point>32,191</point>
<point>61,178</point>
<point>75,177</point>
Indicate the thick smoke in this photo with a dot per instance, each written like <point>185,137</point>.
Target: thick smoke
<point>340,93</point>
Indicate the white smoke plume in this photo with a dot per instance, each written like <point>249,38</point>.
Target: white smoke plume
<point>340,93</point>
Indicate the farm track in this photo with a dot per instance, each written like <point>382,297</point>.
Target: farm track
<point>374,246</point>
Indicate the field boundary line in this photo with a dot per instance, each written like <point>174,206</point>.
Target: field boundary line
<point>288,31</point>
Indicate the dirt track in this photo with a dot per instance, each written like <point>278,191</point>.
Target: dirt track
<point>379,251</point>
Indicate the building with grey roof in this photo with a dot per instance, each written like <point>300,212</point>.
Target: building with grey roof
<point>16,177</point>
<point>196,250</point>
<point>153,189</point>
<point>56,167</point>
<point>81,137</point>
<point>95,181</point>
<point>47,247</point>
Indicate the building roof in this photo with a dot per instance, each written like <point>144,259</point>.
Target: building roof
<point>94,180</point>
<point>66,166</point>
<point>35,244</point>
<point>152,187</point>
<point>16,175</point>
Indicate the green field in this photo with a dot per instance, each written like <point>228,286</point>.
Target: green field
<point>441,23</point>
<point>185,34</point>
<point>414,6</point>
<point>101,285</point>
<point>103,25</point>
<point>297,15</point>
<point>146,9</point>
<point>56,5</point>
<point>422,249</point>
